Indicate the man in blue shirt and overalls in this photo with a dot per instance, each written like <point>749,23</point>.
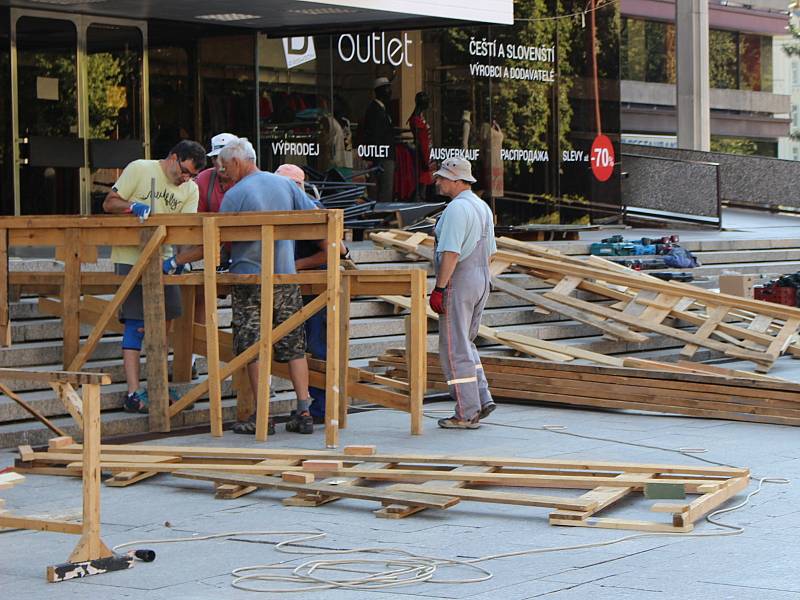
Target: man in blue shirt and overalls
<point>464,243</point>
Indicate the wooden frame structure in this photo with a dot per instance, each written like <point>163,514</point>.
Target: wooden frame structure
<point>91,555</point>
<point>410,483</point>
<point>740,328</point>
<point>76,241</point>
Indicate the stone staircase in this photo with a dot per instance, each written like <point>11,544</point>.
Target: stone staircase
<point>374,329</point>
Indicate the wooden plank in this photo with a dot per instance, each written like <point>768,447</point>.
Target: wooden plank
<point>182,337</point>
<point>332,373</point>
<point>155,339</point>
<point>401,512</point>
<point>306,500</point>
<point>416,343</point>
<point>71,377</point>
<point>715,317</point>
<point>19,522</point>
<point>150,249</point>
<point>5,323</point>
<point>574,352</point>
<point>758,358</point>
<point>342,491</point>
<point>71,401</point>
<point>493,497</point>
<point>211,244</point>
<point>612,329</point>
<point>265,341</point>
<point>418,475</point>
<point>259,454</point>
<point>344,351</point>
<point>90,546</point>
<point>9,480</point>
<point>31,410</point>
<point>71,297</point>
<point>708,502</point>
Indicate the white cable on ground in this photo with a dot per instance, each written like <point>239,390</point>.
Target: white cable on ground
<point>403,568</point>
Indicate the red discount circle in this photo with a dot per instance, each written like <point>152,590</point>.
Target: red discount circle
<point>602,158</point>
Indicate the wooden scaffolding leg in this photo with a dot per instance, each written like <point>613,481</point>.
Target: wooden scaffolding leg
<point>183,337</point>
<point>344,352</point>
<point>71,296</point>
<point>90,546</point>
<point>90,556</point>
<point>5,324</point>
<point>210,252</point>
<point>245,402</point>
<point>416,342</point>
<point>265,339</point>
<point>155,339</point>
<point>334,278</point>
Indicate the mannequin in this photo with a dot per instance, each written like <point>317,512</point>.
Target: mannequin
<point>379,137</point>
<point>422,142</point>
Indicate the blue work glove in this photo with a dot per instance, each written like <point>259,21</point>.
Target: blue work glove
<point>171,267</point>
<point>140,210</point>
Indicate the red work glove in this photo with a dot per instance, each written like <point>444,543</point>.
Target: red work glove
<point>437,300</point>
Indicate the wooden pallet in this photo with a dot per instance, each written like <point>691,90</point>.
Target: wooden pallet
<point>639,303</point>
<point>406,484</point>
<point>679,390</point>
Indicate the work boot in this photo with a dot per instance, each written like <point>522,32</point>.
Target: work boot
<point>300,422</point>
<point>455,423</point>
<point>486,410</point>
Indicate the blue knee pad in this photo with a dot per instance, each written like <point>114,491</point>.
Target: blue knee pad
<point>132,336</point>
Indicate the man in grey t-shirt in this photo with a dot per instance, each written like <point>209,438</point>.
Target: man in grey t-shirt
<point>255,190</point>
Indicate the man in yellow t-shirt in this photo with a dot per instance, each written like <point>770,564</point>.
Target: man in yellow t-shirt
<point>162,187</point>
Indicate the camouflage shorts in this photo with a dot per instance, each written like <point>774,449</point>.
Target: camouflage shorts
<point>247,319</point>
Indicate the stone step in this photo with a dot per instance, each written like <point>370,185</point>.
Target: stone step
<point>118,423</point>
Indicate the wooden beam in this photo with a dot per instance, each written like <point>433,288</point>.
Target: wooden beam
<point>125,288</point>
<point>5,323</point>
<point>211,243</point>
<point>31,410</point>
<point>334,237</point>
<point>155,337</point>
<point>71,296</point>
<point>265,340</point>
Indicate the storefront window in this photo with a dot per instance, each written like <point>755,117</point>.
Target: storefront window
<point>386,107</point>
<point>6,175</point>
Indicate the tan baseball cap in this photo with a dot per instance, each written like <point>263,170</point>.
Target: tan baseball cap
<point>456,169</point>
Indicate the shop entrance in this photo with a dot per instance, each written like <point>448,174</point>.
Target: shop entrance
<point>79,108</point>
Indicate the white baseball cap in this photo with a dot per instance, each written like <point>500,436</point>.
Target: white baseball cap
<point>456,169</point>
<point>380,82</point>
<point>218,142</point>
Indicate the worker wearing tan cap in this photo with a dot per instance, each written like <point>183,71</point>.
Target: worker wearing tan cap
<point>464,243</point>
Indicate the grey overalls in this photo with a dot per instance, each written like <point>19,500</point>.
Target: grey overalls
<point>464,299</point>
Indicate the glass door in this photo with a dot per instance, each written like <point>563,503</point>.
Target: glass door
<point>48,148</point>
<point>78,108</point>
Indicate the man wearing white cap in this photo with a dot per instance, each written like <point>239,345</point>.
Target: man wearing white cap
<point>379,139</point>
<point>211,183</point>
<point>464,242</point>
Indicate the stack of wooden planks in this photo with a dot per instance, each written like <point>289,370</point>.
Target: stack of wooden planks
<point>681,390</point>
<point>405,484</point>
<point>630,305</point>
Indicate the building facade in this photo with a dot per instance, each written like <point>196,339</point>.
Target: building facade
<point>528,91</point>
<point>749,105</point>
